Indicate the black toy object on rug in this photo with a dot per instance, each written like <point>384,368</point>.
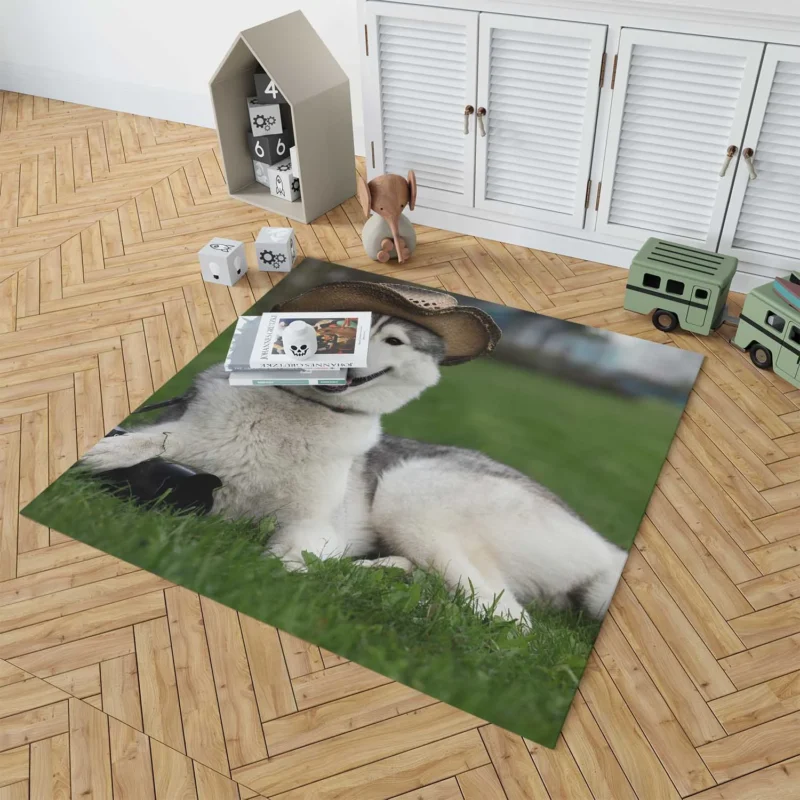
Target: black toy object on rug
<point>179,487</point>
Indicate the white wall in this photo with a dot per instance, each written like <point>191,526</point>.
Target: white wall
<point>151,57</point>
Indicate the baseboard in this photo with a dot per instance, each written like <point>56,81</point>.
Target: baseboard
<point>130,98</point>
<point>601,252</point>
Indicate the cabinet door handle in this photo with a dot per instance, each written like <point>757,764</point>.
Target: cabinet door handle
<point>747,155</point>
<point>468,112</point>
<point>732,150</point>
<point>481,113</point>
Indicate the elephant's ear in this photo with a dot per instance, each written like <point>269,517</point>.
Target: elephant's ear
<point>363,194</point>
<point>412,190</point>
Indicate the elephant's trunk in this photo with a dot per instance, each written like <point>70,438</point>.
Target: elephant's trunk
<point>393,227</point>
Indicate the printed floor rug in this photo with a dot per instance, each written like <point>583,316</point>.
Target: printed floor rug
<point>485,529</point>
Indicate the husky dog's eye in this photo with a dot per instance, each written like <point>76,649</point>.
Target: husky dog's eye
<point>393,340</point>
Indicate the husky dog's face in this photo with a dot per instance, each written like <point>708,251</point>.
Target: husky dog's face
<point>403,361</point>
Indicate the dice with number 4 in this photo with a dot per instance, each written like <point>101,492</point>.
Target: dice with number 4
<point>267,90</point>
<point>270,149</point>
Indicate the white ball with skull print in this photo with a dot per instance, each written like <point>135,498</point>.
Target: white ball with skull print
<point>299,339</point>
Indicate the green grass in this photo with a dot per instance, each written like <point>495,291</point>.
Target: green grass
<point>601,453</point>
<point>409,628</point>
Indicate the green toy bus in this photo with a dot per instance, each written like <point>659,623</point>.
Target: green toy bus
<point>686,287</point>
<point>680,286</point>
<point>769,329</point>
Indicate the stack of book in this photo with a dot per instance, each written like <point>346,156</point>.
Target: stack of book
<point>263,352</point>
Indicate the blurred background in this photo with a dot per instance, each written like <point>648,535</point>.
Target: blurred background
<point>593,357</point>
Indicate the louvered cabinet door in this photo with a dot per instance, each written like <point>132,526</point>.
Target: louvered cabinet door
<point>679,102</point>
<point>763,220</point>
<point>420,78</point>
<point>538,83</point>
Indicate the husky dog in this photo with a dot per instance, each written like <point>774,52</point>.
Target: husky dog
<point>296,453</point>
<point>314,458</point>
<point>488,527</point>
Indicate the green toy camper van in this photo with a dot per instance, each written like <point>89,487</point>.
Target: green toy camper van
<point>685,287</point>
<point>769,327</point>
<point>680,285</point>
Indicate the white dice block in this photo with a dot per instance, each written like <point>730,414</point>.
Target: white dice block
<point>295,161</point>
<point>260,171</point>
<point>282,183</point>
<point>267,118</point>
<point>275,249</point>
<point>223,261</point>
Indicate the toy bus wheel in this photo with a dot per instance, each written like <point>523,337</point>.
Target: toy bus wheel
<point>665,320</point>
<point>761,357</point>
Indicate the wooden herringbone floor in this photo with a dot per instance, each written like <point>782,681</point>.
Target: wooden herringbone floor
<point>113,683</point>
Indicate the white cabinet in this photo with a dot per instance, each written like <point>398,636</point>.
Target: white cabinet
<point>587,134</point>
<point>422,78</point>
<point>679,103</point>
<point>509,130</point>
<point>763,220</point>
<point>538,86</point>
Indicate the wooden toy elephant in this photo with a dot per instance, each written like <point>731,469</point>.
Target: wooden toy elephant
<point>388,233</point>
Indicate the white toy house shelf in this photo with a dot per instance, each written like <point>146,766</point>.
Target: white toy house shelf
<point>316,88</point>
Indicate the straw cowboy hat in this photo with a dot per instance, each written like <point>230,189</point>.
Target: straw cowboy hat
<point>467,332</point>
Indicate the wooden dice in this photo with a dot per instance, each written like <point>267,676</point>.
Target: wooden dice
<point>267,90</point>
<point>272,148</point>
<point>268,118</point>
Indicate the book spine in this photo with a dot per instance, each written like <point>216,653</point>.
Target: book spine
<point>287,382</point>
<point>289,365</point>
